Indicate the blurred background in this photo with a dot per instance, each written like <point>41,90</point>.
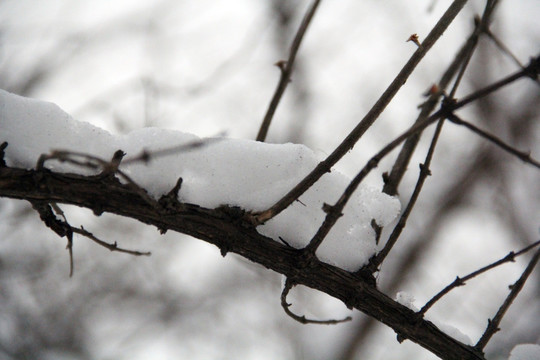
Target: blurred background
<point>206,67</point>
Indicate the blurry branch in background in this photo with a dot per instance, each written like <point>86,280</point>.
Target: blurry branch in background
<point>286,68</point>
<point>147,155</point>
<point>523,156</point>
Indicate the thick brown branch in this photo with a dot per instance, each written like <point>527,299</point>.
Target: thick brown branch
<point>227,230</point>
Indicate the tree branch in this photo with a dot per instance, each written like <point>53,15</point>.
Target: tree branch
<point>523,156</point>
<point>368,120</point>
<point>231,232</point>
<point>286,68</point>
<point>460,281</point>
<point>458,64</point>
<point>493,325</point>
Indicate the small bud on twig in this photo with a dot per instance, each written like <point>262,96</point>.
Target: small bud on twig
<point>281,64</point>
<point>414,39</point>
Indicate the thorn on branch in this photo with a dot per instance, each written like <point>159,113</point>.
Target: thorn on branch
<point>401,338</point>
<point>176,189</point>
<point>112,247</point>
<point>433,90</point>
<point>327,208</point>
<point>170,200</point>
<point>385,177</point>
<point>282,65</point>
<point>458,281</point>
<point>414,39</point>
<point>3,147</point>
<point>424,170</point>
<point>111,167</point>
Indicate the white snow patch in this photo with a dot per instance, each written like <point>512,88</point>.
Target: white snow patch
<point>453,332</point>
<point>406,300</point>
<point>245,173</point>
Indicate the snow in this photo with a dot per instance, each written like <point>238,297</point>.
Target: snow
<point>525,352</point>
<point>407,299</point>
<point>453,332</point>
<point>236,172</point>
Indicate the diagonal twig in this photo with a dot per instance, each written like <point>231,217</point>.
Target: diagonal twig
<point>493,324</point>
<point>286,68</point>
<point>376,261</point>
<point>523,156</point>
<point>448,106</point>
<point>532,70</point>
<point>112,247</point>
<point>460,281</point>
<point>458,64</point>
<point>372,115</point>
<point>333,213</point>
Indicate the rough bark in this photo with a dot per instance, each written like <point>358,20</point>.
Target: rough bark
<point>228,229</point>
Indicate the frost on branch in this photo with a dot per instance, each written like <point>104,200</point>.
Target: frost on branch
<point>235,172</point>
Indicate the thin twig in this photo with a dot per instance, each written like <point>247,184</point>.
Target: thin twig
<point>422,176</point>
<point>446,111</point>
<point>333,213</point>
<point>60,227</point>
<point>146,155</point>
<point>94,162</point>
<point>111,247</point>
<point>404,157</point>
<point>372,115</point>
<point>460,281</point>
<point>531,71</point>
<point>302,319</point>
<point>506,51</point>
<point>502,47</point>
<point>377,260</point>
<point>523,156</point>
<point>286,68</point>
<point>493,324</point>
